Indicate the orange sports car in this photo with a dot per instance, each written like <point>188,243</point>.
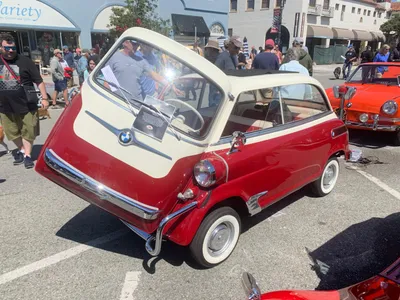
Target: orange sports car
<point>373,103</point>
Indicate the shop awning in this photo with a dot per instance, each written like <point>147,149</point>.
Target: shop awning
<point>361,35</point>
<point>343,34</point>
<point>189,25</point>
<point>378,36</point>
<point>319,32</point>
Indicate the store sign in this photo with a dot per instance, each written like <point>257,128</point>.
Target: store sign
<point>32,13</point>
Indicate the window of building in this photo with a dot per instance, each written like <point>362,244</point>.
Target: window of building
<point>250,4</point>
<point>361,20</point>
<point>343,8</point>
<point>365,12</point>
<point>359,11</point>
<point>379,15</point>
<point>353,10</point>
<point>337,6</point>
<point>326,4</point>
<point>369,13</point>
<point>265,4</point>
<point>259,110</point>
<point>374,22</point>
<point>312,3</point>
<point>278,3</point>
<point>374,14</point>
<point>230,31</point>
<point>233,5</point>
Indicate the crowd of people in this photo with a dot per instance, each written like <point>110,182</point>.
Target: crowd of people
<point>232,57</point>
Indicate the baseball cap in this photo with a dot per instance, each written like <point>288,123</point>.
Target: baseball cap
<point>56,51</point>
<point>85,50</point>
<point>237,41</point>
<point>78,50</point>
<point>65,47</point>
<point>270,42</point>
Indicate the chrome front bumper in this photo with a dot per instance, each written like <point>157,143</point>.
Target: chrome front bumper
<point>153,242</point>
<point>104,193</point>
<point>373,126</point>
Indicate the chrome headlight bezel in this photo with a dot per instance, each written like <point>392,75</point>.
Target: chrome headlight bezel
<point>392,109</point>
<point>364,118</point>
<point>204,173</point>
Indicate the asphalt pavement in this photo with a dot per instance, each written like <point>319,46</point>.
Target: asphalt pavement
<point>56,246</point>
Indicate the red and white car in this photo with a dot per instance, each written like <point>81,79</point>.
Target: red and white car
<point>204,150</point>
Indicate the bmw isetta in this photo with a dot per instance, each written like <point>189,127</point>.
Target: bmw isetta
<point>180,150</point>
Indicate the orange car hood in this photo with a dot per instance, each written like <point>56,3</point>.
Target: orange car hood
<point>369,98</point>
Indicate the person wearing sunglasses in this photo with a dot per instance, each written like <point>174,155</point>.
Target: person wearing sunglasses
<point>18,101</point>
<point>382,56</point>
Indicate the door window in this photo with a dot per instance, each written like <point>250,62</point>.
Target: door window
<point>259,110</point>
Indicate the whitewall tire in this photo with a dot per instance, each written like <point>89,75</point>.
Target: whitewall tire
<point>216,237</point>
<point>327,182</point>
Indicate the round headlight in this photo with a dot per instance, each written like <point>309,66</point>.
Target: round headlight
<point>390,107</point>
<point>364,118</point>
<point>204,173</point>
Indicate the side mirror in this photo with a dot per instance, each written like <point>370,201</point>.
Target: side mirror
<point>238,140</point>
<point>250,286</point>
<point>351,91</point>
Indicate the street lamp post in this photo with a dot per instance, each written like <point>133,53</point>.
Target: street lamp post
<point>283,2</point>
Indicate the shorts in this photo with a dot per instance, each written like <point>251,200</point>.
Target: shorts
<point>21,125</point>
<point>60,85</point>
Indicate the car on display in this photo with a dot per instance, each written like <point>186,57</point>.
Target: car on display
<point>187,160</point>
<point>374,105</point>
<point>385,286</point>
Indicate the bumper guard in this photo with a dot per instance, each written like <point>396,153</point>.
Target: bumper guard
<point>156,239</point>
<point>373,126</point>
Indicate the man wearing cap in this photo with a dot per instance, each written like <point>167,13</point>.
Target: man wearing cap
<point>266,60</point>
<point>228,60</point>
<point>57,73</point>
<point>350,56</point>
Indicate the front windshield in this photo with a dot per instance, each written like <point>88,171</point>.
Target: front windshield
<point>139,73</point>
<point>376,74</point>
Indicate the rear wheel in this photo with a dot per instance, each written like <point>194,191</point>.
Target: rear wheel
<point>217,237</point>
<point>326,183</point>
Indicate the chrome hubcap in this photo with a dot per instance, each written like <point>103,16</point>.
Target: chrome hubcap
<point>220,239</point>
<point>329,176</point>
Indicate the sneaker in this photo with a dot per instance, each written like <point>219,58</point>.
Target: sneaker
<point>18,158</point>
<point>28,162</point>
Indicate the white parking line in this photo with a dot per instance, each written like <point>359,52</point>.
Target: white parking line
<point>378,182</point>
<point>56,258</point>
<point>130,285</point>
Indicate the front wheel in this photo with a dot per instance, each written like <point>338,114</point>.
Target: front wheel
<point>325,184</point>
<point>217,237</point>
<point>396,138</point>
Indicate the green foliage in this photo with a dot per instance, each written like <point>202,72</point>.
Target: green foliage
<point>137,13</point>
<point>392,25</point>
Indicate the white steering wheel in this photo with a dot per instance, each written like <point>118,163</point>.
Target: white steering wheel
<point>191,108</point>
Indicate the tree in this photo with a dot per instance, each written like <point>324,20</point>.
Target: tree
<point>137,13</point>
<point>393,25</point>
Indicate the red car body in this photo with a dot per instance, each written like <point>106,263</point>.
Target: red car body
<point>151,185</point>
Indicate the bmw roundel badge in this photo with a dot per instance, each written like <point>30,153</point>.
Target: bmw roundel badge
<point>125,137</point>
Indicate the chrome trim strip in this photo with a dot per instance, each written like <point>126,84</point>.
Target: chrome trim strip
<point>226,165</point>
<point>371,126</point>
<point>156,239</point>
<point>104,193</point>
<point>252,204</point>
<point>128,110</point>
<point>228,139</point>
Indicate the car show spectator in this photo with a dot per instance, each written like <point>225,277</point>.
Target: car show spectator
<point>304,58</point>
<point>18,111</point>
<point>59,79</point>
<point>266,60</point>
<point>211,51</point>
<point>69,58</point>
<point>82,65</point>
<point>350,58</point>
<point>227,60</point>
<point>367,55</point>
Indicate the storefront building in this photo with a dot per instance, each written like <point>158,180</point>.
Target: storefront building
<point>40,26</point>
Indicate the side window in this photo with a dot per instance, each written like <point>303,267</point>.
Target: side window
<point>272,107</point>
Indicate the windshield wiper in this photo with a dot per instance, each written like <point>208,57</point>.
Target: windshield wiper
<point>149,106</point>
